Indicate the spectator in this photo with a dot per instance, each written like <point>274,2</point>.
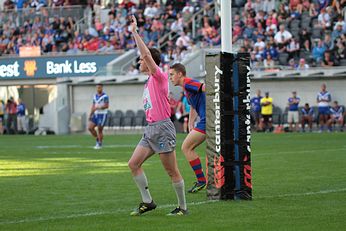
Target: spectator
<point>268,62</point>
<point>184,109</point>
<point>11,111</point>
<point>302,66</point>
<point>107,48</point>
<point>336,116</point>
<point>132,70</point>
<point>269,5</point>
<point>8,5</point>
<point>267,113</point>
<point>337,32</point>
<point>127,4</point>
<point>253,60</point>
<point>282,37</point>
<point>183,39</point>
<point>258,6</point>
<point>256,109</point>
<point>293,114</point>
<point>322,4</point>
<point>313,10</point>
<point>282,13</point>
<point>2,114</point>
<point>307,117</point>
<point>173,105</point>
<point>323,100</point>
<point>292,65</point>
<point>328,42</point>
<point>305,42</point>
<point>293,48</point>
<point>328,60</point>
<point>150,11</point>
<point>318,51</point>
<point>340,50</point>
<point>178,25</point>
<point>248,5</point>
<point>21,124</point>
<point>295,4</point>
<point>324,19</point>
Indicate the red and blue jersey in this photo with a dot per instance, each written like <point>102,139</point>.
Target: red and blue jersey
<point>195,96</point>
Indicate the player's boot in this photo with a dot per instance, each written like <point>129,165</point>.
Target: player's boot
<point>178,212</point>
<point>98,145</point>
<point>143,208</point>
<point>197,187</point>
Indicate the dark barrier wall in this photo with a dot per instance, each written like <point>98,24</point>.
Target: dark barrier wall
<point>228,127</point>
<point>52,67</point>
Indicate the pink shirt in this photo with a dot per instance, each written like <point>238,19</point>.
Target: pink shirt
<point>155,97</point>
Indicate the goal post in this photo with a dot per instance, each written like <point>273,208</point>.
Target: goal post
<point>228,119</point>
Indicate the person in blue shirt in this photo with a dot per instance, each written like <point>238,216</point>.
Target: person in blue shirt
<point>336,116</point>
<point>256,108</point>
<point>195,95</point>
<point>98,115</point>
<point>323,100</point>
<point>21,125</point>
<point>293,114</point>
<point>307,117</point>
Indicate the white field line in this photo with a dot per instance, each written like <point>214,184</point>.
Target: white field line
<point>300,151</point>
<point>98,213</point>
<point>85,146</point>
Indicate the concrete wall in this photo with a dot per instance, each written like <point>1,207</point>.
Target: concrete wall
<point>307,89</point>
<point>129,97</point>
<point>121,97</point>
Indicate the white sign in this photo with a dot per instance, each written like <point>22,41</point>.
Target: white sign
<point>70,68</point>
<point>9,70</point>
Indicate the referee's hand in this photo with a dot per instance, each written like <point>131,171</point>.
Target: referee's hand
<point>133,24</point>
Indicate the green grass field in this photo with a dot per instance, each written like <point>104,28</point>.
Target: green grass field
<point>61,183</point>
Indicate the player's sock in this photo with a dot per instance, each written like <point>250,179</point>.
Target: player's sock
<point>179,188</point>
<point>142,184</point>
<point>197,168</point>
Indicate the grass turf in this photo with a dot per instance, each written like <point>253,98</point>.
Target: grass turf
<point>61,183</point>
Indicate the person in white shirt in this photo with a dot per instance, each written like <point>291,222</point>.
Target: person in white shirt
<point>282,36</point>
<point>260,44</point>
<point>302,66</point>
<point>268,62</point>
<point>183,39</point>
<point>150,11</point>
<point>324,18</point>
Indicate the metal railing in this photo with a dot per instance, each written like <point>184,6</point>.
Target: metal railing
<point>195,20</point>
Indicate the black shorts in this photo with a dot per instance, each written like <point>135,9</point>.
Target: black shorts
<point>267,118</point>
<point>256,115</point>
<point>181,119</point>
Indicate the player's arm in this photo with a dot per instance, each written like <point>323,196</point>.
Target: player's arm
<point>203,87</point>
<point>192,118</point>
<point>318,99</point>
<point>290,102</point>
<point>143,49</point>
<point>105,104</point>
<point>92,110</point>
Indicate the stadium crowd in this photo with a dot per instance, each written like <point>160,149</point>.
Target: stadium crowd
<point>295,33</point>
<point>59,34</point>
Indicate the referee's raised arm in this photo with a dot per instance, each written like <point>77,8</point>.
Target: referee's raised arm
<point>143,49</point>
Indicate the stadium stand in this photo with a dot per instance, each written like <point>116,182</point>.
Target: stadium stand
<point>177,27</point>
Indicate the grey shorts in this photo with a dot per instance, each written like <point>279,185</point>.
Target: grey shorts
<point>159,136</point>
